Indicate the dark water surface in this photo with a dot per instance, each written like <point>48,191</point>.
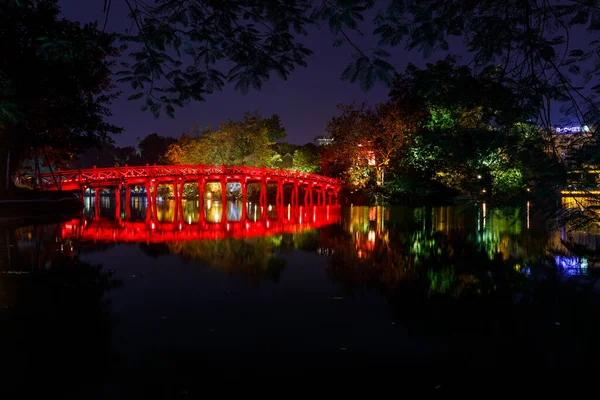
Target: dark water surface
<point>358,287</point>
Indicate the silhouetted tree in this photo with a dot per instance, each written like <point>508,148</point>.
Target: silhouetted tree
<point>153,148</point>
<point>56,78</point>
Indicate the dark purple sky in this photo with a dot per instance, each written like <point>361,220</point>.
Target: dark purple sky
<point>304,102</point>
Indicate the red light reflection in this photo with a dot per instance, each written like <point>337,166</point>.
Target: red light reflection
<point>153,231</point>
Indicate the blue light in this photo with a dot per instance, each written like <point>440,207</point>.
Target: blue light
<point>572,266</point>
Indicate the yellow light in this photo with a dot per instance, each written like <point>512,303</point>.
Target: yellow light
<point>580,192</point>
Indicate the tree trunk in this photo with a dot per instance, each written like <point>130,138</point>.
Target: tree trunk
<point>5,169</point>
<point>9,161</point>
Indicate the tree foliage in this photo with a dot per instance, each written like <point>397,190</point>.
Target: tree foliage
<point>185,50</point>
<point>443,127</point>
<point>306,158</point>
<point>153,147</point>
<point>55,76</point>
<point>365,142</point>
<point>246,142</point>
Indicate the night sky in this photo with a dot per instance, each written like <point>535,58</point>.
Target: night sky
<point>304,102</point>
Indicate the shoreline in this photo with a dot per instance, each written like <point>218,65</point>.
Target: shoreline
<point>20,204</point>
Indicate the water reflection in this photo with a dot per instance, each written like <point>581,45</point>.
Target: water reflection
<point>400,239</point>
<point>451,250</point>
<point>314,273</point>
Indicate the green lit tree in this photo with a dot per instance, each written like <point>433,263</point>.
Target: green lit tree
<point>470,134</point>
<point>306,158</point>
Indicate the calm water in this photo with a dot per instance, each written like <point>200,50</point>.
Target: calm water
<point>358,286</point>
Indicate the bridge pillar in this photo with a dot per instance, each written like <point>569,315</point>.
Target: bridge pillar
<point>201,185</point>
<point>175,192</point>
<point>176,201</point>
<point>127,202</point>
<point>154,197</point>
<point>223,200</point>
<point>149,212</point>
<point>96,203</point>
<point>118,202</point>
<point>324,195</point>
<point>310,195</point>
<point>244,199</point>
<point>263,199</point>
<point>295,195</point>
<point>279,199</point>
<point>180,198</point>
<point>305,196</point>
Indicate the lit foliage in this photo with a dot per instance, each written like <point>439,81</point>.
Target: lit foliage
<point>365,142</point>
<point>246,142</point>
<point>470,141</point>
<point>306,159</point>
<point>185,50</point>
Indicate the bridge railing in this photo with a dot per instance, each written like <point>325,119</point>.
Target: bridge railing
<point>76,177</point>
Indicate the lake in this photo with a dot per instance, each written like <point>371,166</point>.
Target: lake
<point>297,287</point>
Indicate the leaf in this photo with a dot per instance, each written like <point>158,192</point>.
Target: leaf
<point>170,111</point>
<point>381,53</point>
<point>580,18</point>
<point>368,79</point>
<point>574,69</point>
<point>338,42</point>
<point>576,53</point>
<point>348,72</point>
<point>136,96</point>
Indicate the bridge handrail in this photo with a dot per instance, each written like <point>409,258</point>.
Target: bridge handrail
<point>83,176</point>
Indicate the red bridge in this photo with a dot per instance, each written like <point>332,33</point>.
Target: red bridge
<point>150,177</point>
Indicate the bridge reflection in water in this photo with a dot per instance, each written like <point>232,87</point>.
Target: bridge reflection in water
<point>185,220</point>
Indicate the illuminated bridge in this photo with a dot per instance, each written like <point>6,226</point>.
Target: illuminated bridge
<point>325,189</point>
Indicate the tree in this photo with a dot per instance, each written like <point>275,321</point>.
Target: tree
<point>365,142</point>
<point>153,147</point>
<point>56,78</point>
<point>246,142</point>
<point>527,39</point>
<point>345,158</point>
<point>392,137</point>
<point>306,158</point>
<point>470,134</point>
<point>125,155</point>
<point>184,51</point>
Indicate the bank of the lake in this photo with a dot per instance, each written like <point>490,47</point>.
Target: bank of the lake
<point>20,203</point>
